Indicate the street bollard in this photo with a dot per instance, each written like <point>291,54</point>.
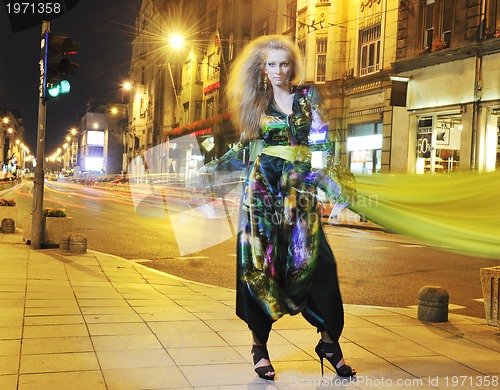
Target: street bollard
<point>433,304</point>
<point>65,241</point>
<point>8,225</point>
<point>78,243</point>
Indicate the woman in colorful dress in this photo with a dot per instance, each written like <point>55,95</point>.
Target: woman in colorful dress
<point>285,265</point>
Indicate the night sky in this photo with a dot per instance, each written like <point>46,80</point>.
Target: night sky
<point>104,28</point>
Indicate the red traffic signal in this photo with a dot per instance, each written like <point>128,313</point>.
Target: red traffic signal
<point>58,65</point>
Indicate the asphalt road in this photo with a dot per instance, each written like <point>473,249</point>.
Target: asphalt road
<point>375,268</point>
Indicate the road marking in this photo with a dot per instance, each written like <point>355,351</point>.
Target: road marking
<point>412,246</point>
<point>479,300</point>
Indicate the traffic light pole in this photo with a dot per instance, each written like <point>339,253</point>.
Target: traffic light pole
<point>37,215</point>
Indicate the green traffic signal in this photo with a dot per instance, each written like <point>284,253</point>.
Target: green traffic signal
<point>61,88</point>
<point>57,64</point>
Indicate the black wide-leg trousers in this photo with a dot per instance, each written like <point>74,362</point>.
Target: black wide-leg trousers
<point>324,308</point>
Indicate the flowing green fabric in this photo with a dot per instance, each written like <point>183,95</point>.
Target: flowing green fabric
<point>457,212</point>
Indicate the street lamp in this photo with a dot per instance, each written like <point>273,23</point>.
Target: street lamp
<point>177,41</point>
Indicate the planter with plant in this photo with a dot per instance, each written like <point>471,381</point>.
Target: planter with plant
<point>438,44</point>
<point>55,224</point>
<point>8,209</point>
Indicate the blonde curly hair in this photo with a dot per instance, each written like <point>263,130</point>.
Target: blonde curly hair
<point>247,98</point>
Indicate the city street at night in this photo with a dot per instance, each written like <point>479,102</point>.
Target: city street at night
<point>375,267</point>
<point>249,195</point>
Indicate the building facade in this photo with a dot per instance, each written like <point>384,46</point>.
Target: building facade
<point>13,151</point>
<point>449,51</point>
<point>409,87</point>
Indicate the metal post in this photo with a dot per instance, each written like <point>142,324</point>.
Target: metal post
<point>37,216</point>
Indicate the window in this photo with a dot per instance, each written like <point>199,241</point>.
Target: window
<point>370,50</point>
<point>438,143</point>
<point>263,28</point>
<point>197,110</point>
<point>447,21</point>
<point>187,119</point>
<point>429,29</point>
<point>492,17</point>
<point>438,19</point>
<point>209,108</point>
<point>291,12</point>
<point>321,45</point>
<point>364,144</point>
<point>211,66</point>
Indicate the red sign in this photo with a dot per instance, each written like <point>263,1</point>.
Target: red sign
<point>211,87</point>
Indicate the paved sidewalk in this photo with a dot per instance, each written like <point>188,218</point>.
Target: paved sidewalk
<point>95,321</point>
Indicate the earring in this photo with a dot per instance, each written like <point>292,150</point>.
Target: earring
<point>265,84</point>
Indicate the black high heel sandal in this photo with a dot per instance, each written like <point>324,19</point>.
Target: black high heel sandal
<point>324,348</point>
<point>260,352</point>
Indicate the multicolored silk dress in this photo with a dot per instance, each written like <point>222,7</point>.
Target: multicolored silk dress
<point>279,239</point>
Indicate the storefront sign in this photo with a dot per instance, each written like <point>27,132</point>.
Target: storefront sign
<point>211,87</point>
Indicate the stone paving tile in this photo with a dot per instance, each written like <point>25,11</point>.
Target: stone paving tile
<point>204,355</point>
<point>396,348</point>
<point>10,332</point>
<point>190,339</point>
<point>98,310</point>
<point>145,378</point>
<point>10,347</point>
<point>137,303</point>
<point>179,326</point>
<point>220,374</point>
<point>121,328</point>
<point>47,311</point>
<point>54,320</point>
<point>9,364</point>
<point>125,342</point>
<point>57,362</point>
<point>41,331</point>
<point>179,315</point>
<point>432,366</point>
<point>20,287</point>
<point>9,303</point>
<point>51,303</point>
<point>227,325</point>
<point>56,345</point>
<point>11,295</point>
<point>8,382</point>
<point>13,320</point>
<point>77,380</point>
<point>134,359</point>
<point>102,303</point>
<point>35,282</point>
<point>373,333</point>
<point>112,318</point>
<point>65,294</point>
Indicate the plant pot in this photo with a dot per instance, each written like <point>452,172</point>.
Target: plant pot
<point>53,229</point>
<point>8,212</point>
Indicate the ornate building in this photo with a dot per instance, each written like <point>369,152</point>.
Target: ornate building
<point>449,51</point>
<point>408,86</point>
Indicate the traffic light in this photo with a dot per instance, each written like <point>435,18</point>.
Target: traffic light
<point>57,65</point>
